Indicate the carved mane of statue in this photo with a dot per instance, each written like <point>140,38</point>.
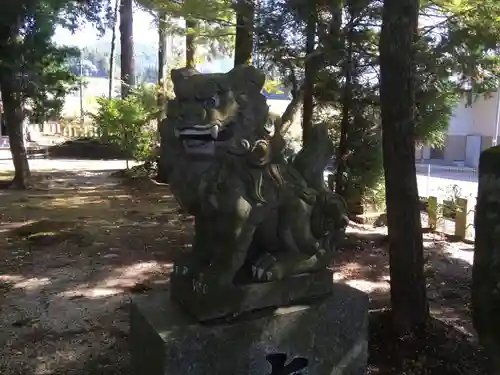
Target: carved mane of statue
<point>265,229</point>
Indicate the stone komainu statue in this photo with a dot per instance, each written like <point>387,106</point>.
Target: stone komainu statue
<point>261,223</point>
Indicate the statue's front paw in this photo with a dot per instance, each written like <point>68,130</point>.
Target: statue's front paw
<point>343,221</point>
<point>265,268</point>
<point>216,278</point>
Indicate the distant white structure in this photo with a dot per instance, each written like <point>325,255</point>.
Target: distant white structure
<point>472,129</point>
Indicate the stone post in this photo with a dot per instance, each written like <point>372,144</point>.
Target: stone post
<point>463,217</point>
<point>486,268</point>
<point>434,212</point>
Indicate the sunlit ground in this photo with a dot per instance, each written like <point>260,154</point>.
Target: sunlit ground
<point>74,247</point>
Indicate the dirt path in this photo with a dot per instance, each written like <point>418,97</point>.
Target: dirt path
<point>65,277</point>
<point>73,249</point>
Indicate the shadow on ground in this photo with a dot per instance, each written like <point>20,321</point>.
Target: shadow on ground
<point>86,148</point>
<point>79,243</point>
<point>73,248</point>
<point>450,346</point>
<point>363,262</point>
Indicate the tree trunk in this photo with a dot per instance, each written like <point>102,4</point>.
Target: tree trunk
<point>347,103</point>
<point>112,52</point>
<point>127,46</point>
<point>243,45</point>
<point>310,74</point>
<point>191,26</point>
<point>410,309</point>
<point>286,120</point>
<point>14,117</point>
<point>162,65</point>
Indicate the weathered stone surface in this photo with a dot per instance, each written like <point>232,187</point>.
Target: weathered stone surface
<point>256,214</point>
<point>486,267</point>
<point>329,334</point>
<point>208,302</point>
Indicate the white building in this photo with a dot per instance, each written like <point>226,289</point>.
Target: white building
<point>472,129</point>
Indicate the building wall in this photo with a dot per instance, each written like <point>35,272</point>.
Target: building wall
<point>462,119</point>
<point>478,119</point>
<point>455,148</point>
<point>485,113</point>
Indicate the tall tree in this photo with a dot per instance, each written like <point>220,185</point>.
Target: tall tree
<point>111,75</point>
<point>26,28</point>
<point>209,23</point>
<point>162,64</point>
<point>191,26</point>
<point>309,70</point>
<point>346,100</point>
<point>127,46</point>
<point>243,45</point>
<point>14,117</point>
<point>398,39</point>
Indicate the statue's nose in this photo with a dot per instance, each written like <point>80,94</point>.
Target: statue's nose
<point>194,114</point>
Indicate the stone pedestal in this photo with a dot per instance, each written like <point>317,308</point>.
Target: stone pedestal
<point>329,334</point>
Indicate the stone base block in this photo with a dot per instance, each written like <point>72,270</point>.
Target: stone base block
<point>215,303</point>
<point>325,337</point>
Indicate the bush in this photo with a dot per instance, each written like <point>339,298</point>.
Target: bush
<point>128,123</point>
<point>88,148</point>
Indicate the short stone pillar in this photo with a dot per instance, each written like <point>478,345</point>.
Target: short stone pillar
<point>486,268</point>
<point>322,337</point>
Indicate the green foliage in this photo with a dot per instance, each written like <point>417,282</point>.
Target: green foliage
<point>42,73</point>
<point>128,122</point>
<point>364,177</point>
<point>147,95</point>
<point>54,81</point>
<point>215,21</point>
<point>29,60</point>
<point>456,56</point>
<point>457,45</point>
<point>435,106</point>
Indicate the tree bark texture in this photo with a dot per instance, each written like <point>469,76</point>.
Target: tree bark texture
<point>14,117</point>
<point>243,46</point>
<point>162,65</point>
<point>397,69</point>
<point>127,46</point>
<point>113,50</point>
<point>310,74</point>
<point>346,122</point>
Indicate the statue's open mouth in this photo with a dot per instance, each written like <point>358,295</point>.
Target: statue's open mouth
<point>202,139</point>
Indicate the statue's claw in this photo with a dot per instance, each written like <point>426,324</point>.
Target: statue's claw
<point>262,269</point>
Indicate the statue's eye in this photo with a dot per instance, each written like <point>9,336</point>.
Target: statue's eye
<point>213,102</point>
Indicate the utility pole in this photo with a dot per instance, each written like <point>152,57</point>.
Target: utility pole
<point>497,119</point>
